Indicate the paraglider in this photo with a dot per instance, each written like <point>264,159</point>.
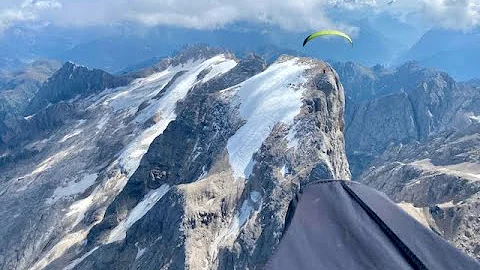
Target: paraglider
<point>326,33</point>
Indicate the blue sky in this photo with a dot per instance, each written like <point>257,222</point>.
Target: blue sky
<point>206,14</point>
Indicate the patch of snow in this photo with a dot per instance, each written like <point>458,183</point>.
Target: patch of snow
<point>283,170</point>
<point>137,213</point>
<point>238,221</point>
<point>71,135</point>
<point>292,141</point>
<point>132,95</point>
<point>265,100</point>
<point>140,253</point>
<point>219,68</point>
<point>73,188</point>
<point>249,169</point>
<point>416,182</point>
<point>80,122</point>
<point>475,118</point>
<point>255,196</point>
<point>103,121</point>
<point>204,173</point>
<point>178,90</point>
<point>130,158</point>
<point>429,114</point>
<point>29,117</point>
<point>244,214</point>
<point>79,260</point>
<point>79,208</point>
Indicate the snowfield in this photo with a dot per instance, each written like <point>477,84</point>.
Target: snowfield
<point>120,232</point>
<point>265,100</point>
<point>74,187</point>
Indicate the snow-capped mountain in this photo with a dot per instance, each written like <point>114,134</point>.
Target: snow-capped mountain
<point>189,164</point>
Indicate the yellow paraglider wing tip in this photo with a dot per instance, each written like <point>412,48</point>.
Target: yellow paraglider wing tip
<point>327,33</point>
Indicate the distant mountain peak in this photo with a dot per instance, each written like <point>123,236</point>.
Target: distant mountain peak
<point>187,53</point>
<point>72,80</point>
<point>199,51</point>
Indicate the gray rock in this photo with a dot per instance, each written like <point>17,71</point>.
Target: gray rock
<point>441,176</point>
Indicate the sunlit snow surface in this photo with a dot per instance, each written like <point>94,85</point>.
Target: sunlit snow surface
<point>265,100</point>
<point>79,260</point>
<point>137,213</point>
<point>249,207</point>
<point>74,187</point>
<point>130,158</point>
<point>475,118</point>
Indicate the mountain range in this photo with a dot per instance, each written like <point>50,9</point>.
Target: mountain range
<point>192,162</point>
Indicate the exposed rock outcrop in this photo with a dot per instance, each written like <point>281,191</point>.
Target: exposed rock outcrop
<point>191,167</point>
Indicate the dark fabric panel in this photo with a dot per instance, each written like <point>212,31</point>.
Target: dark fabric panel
<point>404,250</point>
<point>431,249</point>
<point>330,230</point>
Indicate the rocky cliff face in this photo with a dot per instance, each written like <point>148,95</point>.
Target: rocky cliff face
<point>52,103</point>
<point>440,179</point>
<point>418,143</point>
<point>16,91</point>
<point>71,81</point>
<point>191,167</point>
<point>408,104</point>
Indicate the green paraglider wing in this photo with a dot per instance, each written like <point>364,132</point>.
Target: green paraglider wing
<point>325,33</point>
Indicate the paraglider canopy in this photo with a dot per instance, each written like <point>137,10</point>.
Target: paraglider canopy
<point>327,33</point>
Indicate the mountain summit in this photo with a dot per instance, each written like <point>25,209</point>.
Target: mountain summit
<point>191,166</point>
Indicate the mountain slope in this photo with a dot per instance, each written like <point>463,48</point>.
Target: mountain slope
<point>413,134</point>
<point>440,179</point>
<point>72,80</point>
<point>203,155</point>
<point>17,89</point>
<point>391,106</point>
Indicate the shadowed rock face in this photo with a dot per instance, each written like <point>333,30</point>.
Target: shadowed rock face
<point>407,104</point>
<point>441,178</point>
<point>51,103</point>
<point>72,81</point>
<point>191,167</point>
<point>413,134</point>
<point>193,163</point>
<point>16,90</point>
<point>228,223</point>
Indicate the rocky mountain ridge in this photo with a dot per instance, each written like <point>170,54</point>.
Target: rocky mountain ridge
<point>191,166</point>
<point>417,141</point>
<point>192,163</point>
<point>407,104</point>
<point>16,91</point>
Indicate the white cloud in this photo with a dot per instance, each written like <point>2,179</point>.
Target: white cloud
<point>11,11</point>
<point>289,14</point>
<point>454,14</point>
